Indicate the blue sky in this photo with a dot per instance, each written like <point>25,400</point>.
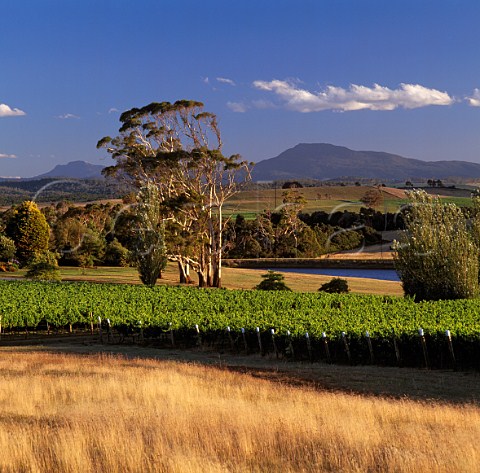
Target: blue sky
<point>398,76</point>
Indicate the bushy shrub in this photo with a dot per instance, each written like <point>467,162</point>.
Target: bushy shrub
<point>116,254</point>
<point>335,286</point>
<point>43,267</point>
<point>272,281</point>
<point>7,248</point>
<point>437,257</point>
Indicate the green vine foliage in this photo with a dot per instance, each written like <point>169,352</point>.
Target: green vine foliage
<point>29,303</point>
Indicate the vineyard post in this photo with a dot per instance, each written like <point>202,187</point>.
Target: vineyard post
<point>172,339</point>
<point>100,328</point>
<point>395,346</point>
<point>91,322</point>
<point>370,347</point>
<point>309,347</point>
<point>347,348</point>
<point>450,348</point>
<point>259,338</point>
<point>424,347</point>
<point>48,328</point>
<point>325,345</point>
<point>109,330</point>
<point>0,326</point>
<point>244,339</point>
<point>199,338</point>
<point>290,344</point>
<point>232,344</point>
<point>141,330</point>
<point>272,331</point>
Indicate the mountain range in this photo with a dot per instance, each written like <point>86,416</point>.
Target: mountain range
<point>322,161</point>
<point>317,161</point>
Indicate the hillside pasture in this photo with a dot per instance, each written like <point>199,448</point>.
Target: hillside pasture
<point>336,198</point>
<point>326,198</point>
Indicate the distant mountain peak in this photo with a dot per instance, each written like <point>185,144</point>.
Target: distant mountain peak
<point>322,161</point>
<point>75,170</point>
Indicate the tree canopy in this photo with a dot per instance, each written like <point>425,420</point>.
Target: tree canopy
<point>29,229</point>
<point>178,148</point>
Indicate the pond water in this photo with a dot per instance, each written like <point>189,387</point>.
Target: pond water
<point>382,274</point>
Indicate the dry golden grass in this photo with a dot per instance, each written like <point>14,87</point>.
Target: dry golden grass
<point>233,278</point>
<point>67,413</point>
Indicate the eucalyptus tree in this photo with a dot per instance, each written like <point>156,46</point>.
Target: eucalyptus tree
<point>179,148</point>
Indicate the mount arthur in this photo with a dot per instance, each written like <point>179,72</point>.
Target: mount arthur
<point>326,161</point>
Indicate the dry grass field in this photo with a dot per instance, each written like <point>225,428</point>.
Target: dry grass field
<point>71,413</point>
<point>233,278</point>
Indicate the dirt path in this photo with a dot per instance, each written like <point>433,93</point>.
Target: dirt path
<point>438,385</point>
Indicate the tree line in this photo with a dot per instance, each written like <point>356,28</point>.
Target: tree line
<point>112,233</point>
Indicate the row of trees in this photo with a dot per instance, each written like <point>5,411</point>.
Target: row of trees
<point>113,234</point>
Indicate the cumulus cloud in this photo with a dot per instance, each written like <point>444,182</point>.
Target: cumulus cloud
<point>7,156</point>
<point>238,107</point>
<point>474,100</point>
<point>6,111</point>
<point>68,116</point>
<point>224,80</point>
<point>356,97</point>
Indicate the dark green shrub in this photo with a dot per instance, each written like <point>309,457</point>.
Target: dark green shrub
<point>272,281</point>
<point>335,286</point>
<point>116,254</point>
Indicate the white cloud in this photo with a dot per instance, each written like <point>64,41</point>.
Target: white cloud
<point>113,110</point>
<point>474,100</point>
<point>238,107</point>
<point>6,111</point>
<point>263,104</point>
<point>10,156</point>
<point>224,80</point>
<point>356,97</point>
<point>68,116</point>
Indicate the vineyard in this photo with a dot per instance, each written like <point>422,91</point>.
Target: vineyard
<point>335,328</point>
